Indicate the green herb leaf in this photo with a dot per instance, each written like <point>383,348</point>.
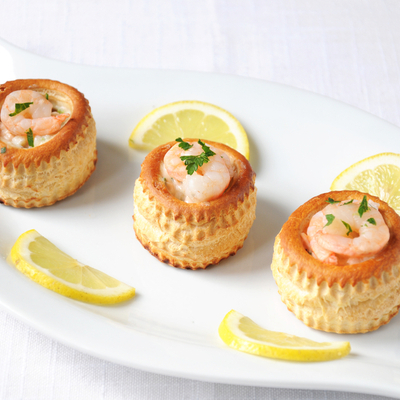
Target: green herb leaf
<point>19,107</point>
<point>371,221</point>
<point>348,227</point>
<point>349,202</point>
<point>3,150</point>
<point>29,137</point>
<point>194,162</point>
<point>208,152</point>
<point>331,201</point>
<point>47,96</point>
<point>330,218</point>
<point>363,206</point>
<point>183,145</point>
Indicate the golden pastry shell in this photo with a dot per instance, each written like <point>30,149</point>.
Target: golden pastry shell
<point>72,148</point>
<point>292,245</point>
<point>334,291</point>
<point>192,224</point>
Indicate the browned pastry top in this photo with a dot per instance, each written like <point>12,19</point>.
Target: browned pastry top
<point>240,186</point>
<point>290,241</point>
<point>64,139</point>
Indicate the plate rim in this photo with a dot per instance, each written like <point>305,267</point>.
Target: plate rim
<point>390,390</point>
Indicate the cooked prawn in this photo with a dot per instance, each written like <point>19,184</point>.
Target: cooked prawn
<point>207,183</point>
<point>313,246</point>
<point>346,234</point>
<point>37,116</point>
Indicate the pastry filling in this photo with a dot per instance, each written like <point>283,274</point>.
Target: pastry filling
<point>196,172</point>
<point>29,118</point>
<point>346,232</point>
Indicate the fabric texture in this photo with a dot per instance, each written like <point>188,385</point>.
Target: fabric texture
<point>346,50</point>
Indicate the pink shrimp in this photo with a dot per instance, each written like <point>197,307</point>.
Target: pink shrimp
<point>338,230</point>
<point>207,183</point>
<point>37,116</point>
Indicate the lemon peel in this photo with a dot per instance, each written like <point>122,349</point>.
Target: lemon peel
<point>378,175</point>
<point>241,333</point>
<point>44,263</point>
<point>189,119</point>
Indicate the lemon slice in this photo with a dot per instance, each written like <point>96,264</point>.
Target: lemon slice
<point>378,175</point>
<point>189,119</point>
<point>243,334</point>
<point>47,265</point>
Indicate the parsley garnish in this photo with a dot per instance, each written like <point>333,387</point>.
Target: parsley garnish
<point>349,202</point>
<point>330,218</point>
<point>363,206</point>
<point>3,150</point>
<point>47,96</point>
<point>19,107</point>
<point>183,145</point>
<point>348,227</point>
<point>371,221</point>
<point>29,137</point>
<point>194,162</point>
<point>331,201</point>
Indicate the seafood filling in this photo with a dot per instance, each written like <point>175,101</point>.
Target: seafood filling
<point>27,119</point>
<point>346,232</point>
<point>207,181</point>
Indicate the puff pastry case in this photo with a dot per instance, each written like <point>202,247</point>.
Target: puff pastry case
<point>47,142</point>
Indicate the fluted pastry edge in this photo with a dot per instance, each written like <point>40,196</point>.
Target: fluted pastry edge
<point>42,175</point>
<point>343,299</point>
<point>196,235</point>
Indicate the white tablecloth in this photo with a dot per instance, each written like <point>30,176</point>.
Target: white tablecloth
<point>347,50</point>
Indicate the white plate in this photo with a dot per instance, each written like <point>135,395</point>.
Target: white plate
<point>299,143</point>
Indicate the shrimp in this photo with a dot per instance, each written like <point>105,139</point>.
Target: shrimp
<point>313,246</point>
<point>339,231</point>
<point>207,183</point>
<point>37,117</point>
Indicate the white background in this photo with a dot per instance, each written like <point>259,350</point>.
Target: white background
<point>346,50</point>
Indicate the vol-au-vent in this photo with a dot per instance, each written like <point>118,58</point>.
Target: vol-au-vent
<point>47,142</point>
<point>194,202</point>
<point>337,262</point>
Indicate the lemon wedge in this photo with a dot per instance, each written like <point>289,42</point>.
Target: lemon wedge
<point>43,262</point>
<point>243,334</point>
<point>378,175</point>
<point>189,119</point>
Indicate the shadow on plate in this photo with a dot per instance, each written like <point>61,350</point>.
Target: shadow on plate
<point>270,217</point>
<point>255,159</point>
<point>257,250</point>
<point>114,175</point>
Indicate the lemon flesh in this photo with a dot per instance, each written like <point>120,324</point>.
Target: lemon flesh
<point>189,119</point>
<point>241,333</point>
<point>44,263</point>
<point>378,175</point>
